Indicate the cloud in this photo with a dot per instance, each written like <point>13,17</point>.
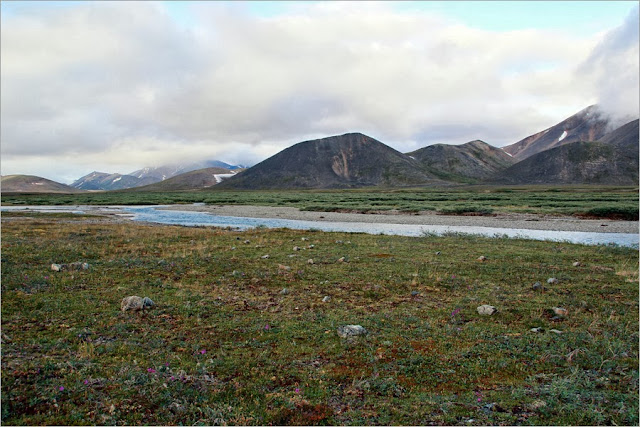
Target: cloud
<point>613,65</point>
<point>121,86</point>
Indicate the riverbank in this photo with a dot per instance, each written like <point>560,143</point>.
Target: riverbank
<point>503,220</point>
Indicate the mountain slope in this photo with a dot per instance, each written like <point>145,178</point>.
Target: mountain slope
<point>613,160</point>
<point>201,178</point>
<point>160,173</point>
<point>345,161</point>
<point>106,181</point>
<point>470,162</point>
<point>587,125</point>
<point>33,184</point>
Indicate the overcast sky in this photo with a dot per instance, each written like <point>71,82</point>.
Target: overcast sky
<point>116,86</point>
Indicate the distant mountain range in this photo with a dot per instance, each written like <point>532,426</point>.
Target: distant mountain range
<point>582,149</point>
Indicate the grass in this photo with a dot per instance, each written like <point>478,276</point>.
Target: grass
<point>223,346</point>
<point>593,201</point>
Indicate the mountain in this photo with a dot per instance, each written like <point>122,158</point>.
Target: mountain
<point>469,163</point>
<point>201,178</point>
<point>611,161</point>
<point>589,124</point>
<point>346,161</point>
<point>160,173</point>
<point>33,184</point>
<point>107,181</point>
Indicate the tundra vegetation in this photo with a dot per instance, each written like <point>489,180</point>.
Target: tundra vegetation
<point>585,201</point>
<point>224,345</point>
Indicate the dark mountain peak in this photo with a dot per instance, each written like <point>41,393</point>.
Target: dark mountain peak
<point>588,124</point>
<point>340,161</point>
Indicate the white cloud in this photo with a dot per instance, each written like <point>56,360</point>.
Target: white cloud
<point>124,85</point>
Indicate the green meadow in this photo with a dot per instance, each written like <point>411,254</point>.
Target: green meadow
<point>587,201</point>
<point>225,345</point>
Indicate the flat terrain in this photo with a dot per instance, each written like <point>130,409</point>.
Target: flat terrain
<point>225,345</point>
<point>505,220</point>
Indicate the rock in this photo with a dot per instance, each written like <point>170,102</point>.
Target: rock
<point>136,303</point>
<point>482,258</point>
<point>351,331</point>
<point>56,267</point>
<point>284,267</point>
<point>310,261</point>
<point>311,246</point>
<point>552,280</point>
<point>326,299</point>
<point>343,259</point>
<point>555,331</point>
<point>559,311</point>
<point>284,291</point>
<point>486,310</point>
<point>438,253</point>
<point>577,264</point>
<point>265,257</point>
<point>339,242</point>
<point>304,239</point>
<point>296,248</point>
<point>71,266</point>
<point>415,293</point>
<point>537,286</point>
<point>247,242</point>
<point>537,330</point>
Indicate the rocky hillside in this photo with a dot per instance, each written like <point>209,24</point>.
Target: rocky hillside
<point>613,160</point>
<point>194,180</point>
<point>346,161</point>
<point>467,163</point>
<point>109,181</point>
<point>160,173</point>
<point>587,125</point>
<point>33,184</point>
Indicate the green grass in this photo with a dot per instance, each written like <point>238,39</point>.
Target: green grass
<point>224,346</point>
<point>604,202</point>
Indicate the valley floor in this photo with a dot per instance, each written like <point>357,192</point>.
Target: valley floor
<point>501,220</point>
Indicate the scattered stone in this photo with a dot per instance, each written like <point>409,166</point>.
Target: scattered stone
<point>438,253</point>
<point>537,286</point>
<point>537,330</point>
<point>555,331</point>
<point>284,291</point>
<point>311,246</point>
<point>296,248</point>
<point>486,310</point>
<point>577,264</point>
<point>343,259</point>
<point>265,256</point>
<point>310,261</point>
<point>247,242</point>
<point>327,298</point>
<point>284,267</point>
<point>233,248</point>
<point>304,239</point>
<point>552,280</point>
<point>351,331</point>
<point>559,311</point>
<point>136,303</point>
<point>482,258</point>
<point>415,293</point>
<point>71,266</point>
<point>339,242</point>
<point>537,404</point>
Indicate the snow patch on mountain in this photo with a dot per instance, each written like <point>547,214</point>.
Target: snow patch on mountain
<point>563,136</point>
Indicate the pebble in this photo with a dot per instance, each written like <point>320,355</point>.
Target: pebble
<point>310,261</point>
<point>552,280</point>
<point>284,267</point>
<point>555,331</point>
<point>327,298</point>
<point>438,253</point>
<point>265,257</point>
<point>311,246</point>
<point>351,331</point>
<point>577,264</point>
<point>537,286</point>
<point>296,248</point>
<point>304,239</point>
<point>559,311</point>
<point>415,293</point>
<point>537,330</point>
<point>136,303</point>
<point>284,291</point>
<point>343,259</point>
<point>486,310</point>
<point>482,258</point>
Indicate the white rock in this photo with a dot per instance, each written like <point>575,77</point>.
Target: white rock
<point>310,261</point>
<point>555,331</point>
<point>552,280</point>
<point>56,267</point>
<point>486,310</point>
<point>482,258</point>
<point>351,331</point>
<point>326,299</point>
<point>265,257</point>
<point>559,311</point>
<point>537,330</point>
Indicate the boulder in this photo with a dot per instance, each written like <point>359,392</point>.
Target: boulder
<point>136,303</point>
<point>552,280</point>
<point>486,310</point>
<point>351,331</point>
<point>327,298</point>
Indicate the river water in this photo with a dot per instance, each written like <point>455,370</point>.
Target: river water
<point>189,218</point>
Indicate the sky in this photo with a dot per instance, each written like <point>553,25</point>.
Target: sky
<point>117,86</point>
